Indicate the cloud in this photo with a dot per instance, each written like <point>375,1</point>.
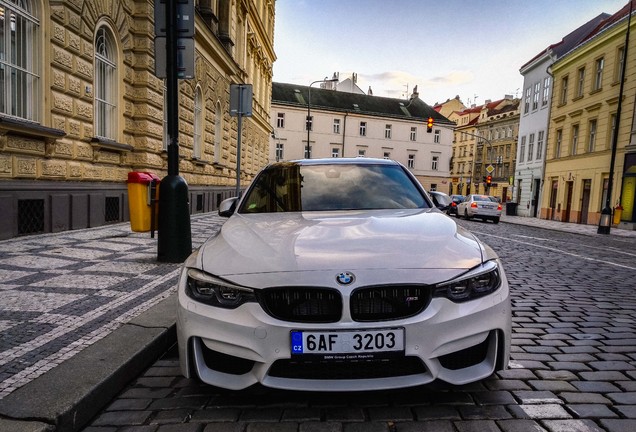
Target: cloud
<point>395,83</point>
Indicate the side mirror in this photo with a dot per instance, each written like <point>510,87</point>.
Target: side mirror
<point>227,207</point>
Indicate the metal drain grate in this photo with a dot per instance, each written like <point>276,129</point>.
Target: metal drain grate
<point>30,216</point>
<point>111,213</point>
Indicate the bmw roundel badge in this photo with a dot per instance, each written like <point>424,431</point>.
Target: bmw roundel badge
<point>345,278</point>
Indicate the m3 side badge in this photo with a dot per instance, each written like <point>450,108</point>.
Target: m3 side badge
<point>345,278</point>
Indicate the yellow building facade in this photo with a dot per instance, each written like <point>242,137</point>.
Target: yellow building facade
<point>583,123</point>
<point>81,107</point>
<point>485,136</point>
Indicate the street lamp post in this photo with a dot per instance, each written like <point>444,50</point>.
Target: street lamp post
<point>324,80</point>
<point>605,221</point>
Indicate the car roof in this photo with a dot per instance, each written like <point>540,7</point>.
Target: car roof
<point>342,161</point>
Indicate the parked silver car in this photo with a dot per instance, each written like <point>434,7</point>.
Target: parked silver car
<point>480,206</point>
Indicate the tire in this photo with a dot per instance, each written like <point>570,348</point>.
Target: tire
<point>466,214</point>
<point>495,220</point>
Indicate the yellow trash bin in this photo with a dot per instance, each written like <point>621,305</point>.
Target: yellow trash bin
<point>618,212</point>
<point>140,201</point>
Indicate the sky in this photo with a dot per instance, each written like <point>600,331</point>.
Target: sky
<point>467,48</point>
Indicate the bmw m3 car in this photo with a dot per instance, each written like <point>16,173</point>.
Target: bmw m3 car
<point>341,275</point>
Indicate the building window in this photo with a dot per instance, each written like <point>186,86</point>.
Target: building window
<point>280,120</point>
<point>363,128</point>
<point>581,83</point>
<point>434,162</point>
<point>308,152</point>
<point>218,132</point>
<point>592,137</point>
<point>362,152</point>
<point>336,126</point>
<point>335,152</point>
<point>433,187</point>
<point>280,151</point>
<point>526,104</point>
<point>530,147</point>
<point>436,137</point>
<point>540,145</point>
<point>508,149</point>
<point>557,143</point>
<point>309,123</point>
<point>387,131</point>
<point>598,76</point>
<point>575,140</point>
<point>546,92</point>
<point>536,95</point>
<point>19,60</point>
<point>522,149</point>
<point>413,133</point>
<point>411,161</point>
<point>620,55</point>
<point>387,155</point>
<point>613,128</point>
<point>564,90</point>
<point>105,85</point>
<point>198,124</point>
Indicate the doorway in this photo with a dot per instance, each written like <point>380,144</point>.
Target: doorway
<point>568,201</point>
<point>585,200</point>
<point>553,198</point>
<point>535,197</point>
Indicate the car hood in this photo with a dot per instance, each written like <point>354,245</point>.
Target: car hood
<point>376,240</point>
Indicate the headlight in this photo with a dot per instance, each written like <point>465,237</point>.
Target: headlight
<point>476,283</point>
<point>214,291</point>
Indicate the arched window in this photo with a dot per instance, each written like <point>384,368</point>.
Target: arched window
<point>105,85</point>
<point>218,131</point>
<point>19,57</point>
<point>198,123</point>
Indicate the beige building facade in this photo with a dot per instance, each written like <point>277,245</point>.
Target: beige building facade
<point>81,107</point>
<point>584,124</point>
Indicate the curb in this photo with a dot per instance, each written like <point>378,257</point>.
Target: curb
<point>68,396</point>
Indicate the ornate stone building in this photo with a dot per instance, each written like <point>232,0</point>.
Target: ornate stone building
<point>81,107</point>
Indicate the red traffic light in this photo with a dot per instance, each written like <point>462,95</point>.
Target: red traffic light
<point>488,179</point>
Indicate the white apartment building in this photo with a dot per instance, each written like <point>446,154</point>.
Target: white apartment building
<point>535,119</point>
<point>344,124</point>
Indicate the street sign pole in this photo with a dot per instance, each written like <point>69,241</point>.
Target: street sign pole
<point>240,105</point>
<point>174,242</point>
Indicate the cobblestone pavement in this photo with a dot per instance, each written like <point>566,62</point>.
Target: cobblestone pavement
<point>60,293</point>
<point>573,365</point>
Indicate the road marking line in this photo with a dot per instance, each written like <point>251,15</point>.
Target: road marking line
<point>562,251</point>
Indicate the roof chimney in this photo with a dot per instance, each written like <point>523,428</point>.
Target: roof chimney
<point>415,94</point>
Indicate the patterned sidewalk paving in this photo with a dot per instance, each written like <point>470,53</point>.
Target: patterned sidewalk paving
<point>61,293</point>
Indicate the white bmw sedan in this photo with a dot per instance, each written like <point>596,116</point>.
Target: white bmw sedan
<point>340,275</point>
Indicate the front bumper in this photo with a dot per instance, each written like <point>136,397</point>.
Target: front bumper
<point>456,343</point>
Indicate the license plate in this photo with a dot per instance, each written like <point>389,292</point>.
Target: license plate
<point>348,345</point>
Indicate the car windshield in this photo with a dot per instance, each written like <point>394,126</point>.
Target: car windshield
<point>292,187</point>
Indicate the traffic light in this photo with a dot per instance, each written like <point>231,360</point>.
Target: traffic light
<point>488,180</point>
<point>429,125</point>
